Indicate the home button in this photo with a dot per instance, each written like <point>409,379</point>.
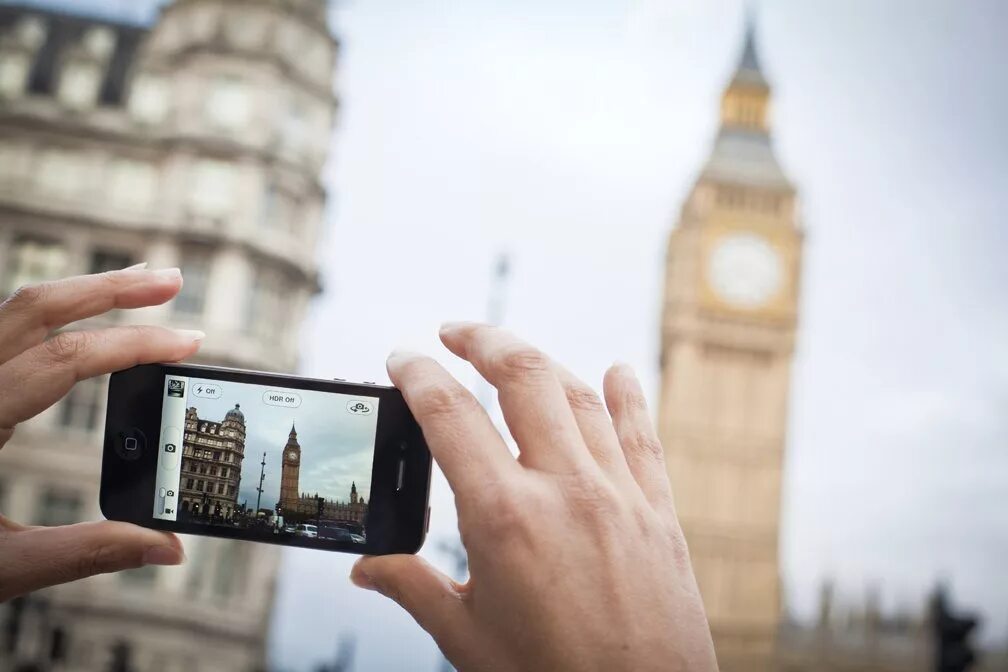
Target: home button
<point>130,443</point>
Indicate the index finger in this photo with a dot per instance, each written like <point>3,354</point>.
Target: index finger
<point>458,431</point>
<point>33,311</point>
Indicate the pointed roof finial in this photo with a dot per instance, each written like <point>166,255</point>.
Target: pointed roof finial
<point>293,431</point>
<point>749,70</point>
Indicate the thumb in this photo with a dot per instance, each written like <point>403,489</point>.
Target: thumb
<point>36,557</point>
<point>434,600</point>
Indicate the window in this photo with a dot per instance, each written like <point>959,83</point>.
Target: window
<point>13,74</point>
<point>57,507</point>
<point>267,306</point>
<point>82,407</point>
<point>216,455</point>
<point>192,297</point>
<point>108,260</point>
<point>279,210</point>
<point>199,485</point>
<point>231,490</point>
<point>228,104</point>
<point>295,126</point>
<point>220,488</point>
<point>60,173</point>
<point>189,484</point>
<point>149,99</point>
<point>132,184</point>
<point>78,85</point>
<point>212,192</point>
<point>33,260</point>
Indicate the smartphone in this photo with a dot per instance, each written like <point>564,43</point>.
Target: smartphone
<point>321,464</point>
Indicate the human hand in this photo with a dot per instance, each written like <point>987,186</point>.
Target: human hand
<point>576,558</point>
<point>37,369</point>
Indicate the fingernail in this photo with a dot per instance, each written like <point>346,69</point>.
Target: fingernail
<point>191,334</point>
<point>399,355</point>
<point>626,368</point>
<point>450,327</point>
<point>171,273</point>
<point>136,267</point>
<point>163,555</point>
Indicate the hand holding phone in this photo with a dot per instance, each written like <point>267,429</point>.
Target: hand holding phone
<point>576,558</point>
<point>42,368</point>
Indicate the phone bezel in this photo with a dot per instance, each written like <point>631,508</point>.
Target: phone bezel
<point>397,519</point>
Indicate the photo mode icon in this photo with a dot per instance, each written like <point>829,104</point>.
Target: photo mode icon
<point>283,398</point>
<point>359,407</point>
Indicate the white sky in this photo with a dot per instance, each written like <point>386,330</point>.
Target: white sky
<point>568,133</point>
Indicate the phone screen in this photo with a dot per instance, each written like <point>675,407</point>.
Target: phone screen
<point>265,459</point>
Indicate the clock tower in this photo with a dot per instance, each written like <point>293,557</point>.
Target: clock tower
<point>727,340</point>
<point>290,472</point>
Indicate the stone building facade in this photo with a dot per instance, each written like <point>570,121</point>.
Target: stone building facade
<point>212,456</point>
<point>196,141</point>
<point>727,337</point>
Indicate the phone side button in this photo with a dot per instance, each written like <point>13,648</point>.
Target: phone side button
<point>400,474</point>
<point>427,522</point>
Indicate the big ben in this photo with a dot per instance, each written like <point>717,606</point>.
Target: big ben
<point>290,472</point>
<point>727,340</point>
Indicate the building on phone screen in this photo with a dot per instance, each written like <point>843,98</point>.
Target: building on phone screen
<point>212,456</point>
<point>193,140</point>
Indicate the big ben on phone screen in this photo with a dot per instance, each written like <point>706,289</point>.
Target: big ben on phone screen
<point>728,325</point>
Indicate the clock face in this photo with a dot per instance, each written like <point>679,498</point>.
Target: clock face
<point>744,270</point>
<point>292,456</point>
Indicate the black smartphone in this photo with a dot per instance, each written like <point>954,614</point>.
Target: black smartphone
<point>322,464</point>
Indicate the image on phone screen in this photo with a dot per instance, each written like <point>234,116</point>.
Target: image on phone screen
<point>270,461</point>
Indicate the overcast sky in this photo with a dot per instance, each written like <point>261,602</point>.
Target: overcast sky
<point>568,134</point>
<point>337,447</point>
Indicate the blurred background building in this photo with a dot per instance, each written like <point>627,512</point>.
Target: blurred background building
<point>197,142</point>
<point>729,317</point>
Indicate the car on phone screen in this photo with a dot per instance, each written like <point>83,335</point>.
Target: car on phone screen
<point>334,533</point>
<point>305,530</point>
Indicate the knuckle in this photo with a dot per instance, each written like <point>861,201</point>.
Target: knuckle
<point>27,296</point>
<point>438,399</point>
<point>506,512</point>
<point>97,560</point>
<point>520,361</point>
<point>66,346</point>
<point>634,401</point>
<point>645,444</point>
<point>583,398</point>
<point>591,497</point>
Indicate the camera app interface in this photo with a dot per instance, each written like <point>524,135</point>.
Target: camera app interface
<point>269,460</point>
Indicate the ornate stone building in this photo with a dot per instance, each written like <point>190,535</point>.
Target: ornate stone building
<point>296,505</point>
<point>195,141</point>
<point>727,340</point>
<point>212,455</point>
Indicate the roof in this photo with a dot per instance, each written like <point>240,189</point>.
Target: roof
<point>64,31</point>
<point>744,157</point>
<point>749,71</point>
